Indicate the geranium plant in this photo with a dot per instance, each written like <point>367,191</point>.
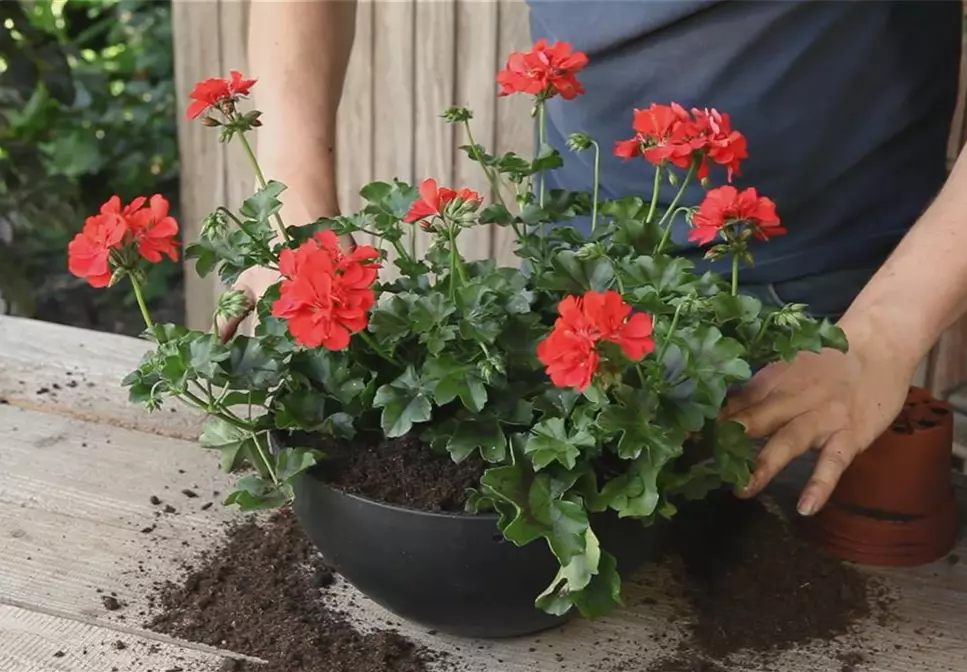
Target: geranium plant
<point>590,376</point>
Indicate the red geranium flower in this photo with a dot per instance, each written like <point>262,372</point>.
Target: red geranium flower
<point>434,199</point>
<point>671,133</point>
<point>154,230</point>
<point>726,206</point>
<point>544,71</point>
<point>216,91</point>
<point>326,294</point>
<point>722,144</point>
<point>662,133</point>
<point>569,353</point>
<point>89,253</point>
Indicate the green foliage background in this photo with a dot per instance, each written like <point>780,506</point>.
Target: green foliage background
<point>87,110</point>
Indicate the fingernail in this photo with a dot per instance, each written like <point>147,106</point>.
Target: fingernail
<point>807,506</point>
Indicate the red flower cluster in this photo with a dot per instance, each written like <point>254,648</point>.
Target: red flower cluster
<point>327,293</point>
<point>434,199</point>
<point>544,71</point>
<point>150,230</point>
<point>726,206</point>
<point>569,352</point>
<point>217,91</point>
<point>672,133</point>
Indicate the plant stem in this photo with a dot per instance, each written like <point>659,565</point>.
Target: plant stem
<point>377,349</point>
<point>492,176</point>
<point>735,274</point>
<point>139,295</point>
<point>655,187</point>
<point>456,268</point>
<point>669,213</point>
<point>597,180</point>
<point>264,458</point>
<point>671,330</point>
<point>261,178</point>
<point>540,145</point>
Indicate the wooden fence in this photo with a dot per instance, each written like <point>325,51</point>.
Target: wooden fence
<point>412,59</point>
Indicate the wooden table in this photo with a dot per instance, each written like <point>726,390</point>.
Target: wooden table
<point>78,464</point>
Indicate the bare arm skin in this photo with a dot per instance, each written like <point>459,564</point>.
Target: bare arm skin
<point>839,403</point>
<point>299,51</point>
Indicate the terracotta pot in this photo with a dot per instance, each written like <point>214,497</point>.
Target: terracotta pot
<point>895,504</point>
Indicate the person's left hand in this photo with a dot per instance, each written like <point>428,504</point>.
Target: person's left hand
<point>832,402</point>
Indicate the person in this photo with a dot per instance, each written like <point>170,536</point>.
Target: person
<point>847,109</point>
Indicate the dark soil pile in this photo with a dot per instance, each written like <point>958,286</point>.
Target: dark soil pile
<point>257,595</point>
<point>402,471</point>
<point>756,588</point>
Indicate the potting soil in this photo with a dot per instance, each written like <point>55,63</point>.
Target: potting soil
<point>259,595</point>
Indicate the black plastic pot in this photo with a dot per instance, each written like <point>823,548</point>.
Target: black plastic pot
<point>454,573</point>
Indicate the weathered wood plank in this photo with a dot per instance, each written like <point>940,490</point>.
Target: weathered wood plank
<point>40,642</point>
<point>354,135</point>
<point>394,95</point>
<point>434,59</point>
<point>197,44</point>
<point>77,372</point>
<point>476,66</point>
<point>515,128</point>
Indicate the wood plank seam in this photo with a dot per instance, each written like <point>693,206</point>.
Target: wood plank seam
<point>113,626</point>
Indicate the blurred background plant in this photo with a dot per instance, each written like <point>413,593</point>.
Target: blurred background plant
<point>87,110</point>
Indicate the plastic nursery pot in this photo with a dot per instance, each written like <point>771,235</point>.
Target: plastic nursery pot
<point>895,504</point>
<point>451,572</point>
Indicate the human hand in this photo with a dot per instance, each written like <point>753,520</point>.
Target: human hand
<point>833,402</point>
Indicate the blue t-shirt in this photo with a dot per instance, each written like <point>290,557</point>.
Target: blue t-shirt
<point>846,106</point>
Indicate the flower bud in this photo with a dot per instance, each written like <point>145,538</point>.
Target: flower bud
<point>578,142</point>
<point>457,115</point>
<point>591,251</point>
<point>672,179</point>
<point>211,122</point>
<point>117,276</point>
<point>231,304</point>
<point>214,226</point>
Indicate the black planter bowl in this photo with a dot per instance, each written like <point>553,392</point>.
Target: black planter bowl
<point>451,572</point>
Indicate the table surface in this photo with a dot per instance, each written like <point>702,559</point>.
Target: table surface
<point>78,464</point>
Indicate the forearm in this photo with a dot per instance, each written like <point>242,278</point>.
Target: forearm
<point>922,288</point>
<point>299,51</point>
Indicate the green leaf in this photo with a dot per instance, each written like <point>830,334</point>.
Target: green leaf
<point>390,319</point>
<point>227,439</point>
<point>734,453</point>
<point>664,273</point>
<point>250,365</point>
<point>744,309</point>
<point>550,442</point>
<point>601,596</point>
<point>496,214</point>
<point>264,203</point>
<point>548,158</point>
<point>405,402</point>
<point>570,273</point>
<point>484,434</point>
<point>290,462</point>
<point>254,493</point>
<point>448,379</point>
<point>833,336</point>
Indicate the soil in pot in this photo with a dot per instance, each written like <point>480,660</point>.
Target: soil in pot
<point>895,504</point>
<point>756,589</point>
<point>402,471</point>
<point>259,594</point>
